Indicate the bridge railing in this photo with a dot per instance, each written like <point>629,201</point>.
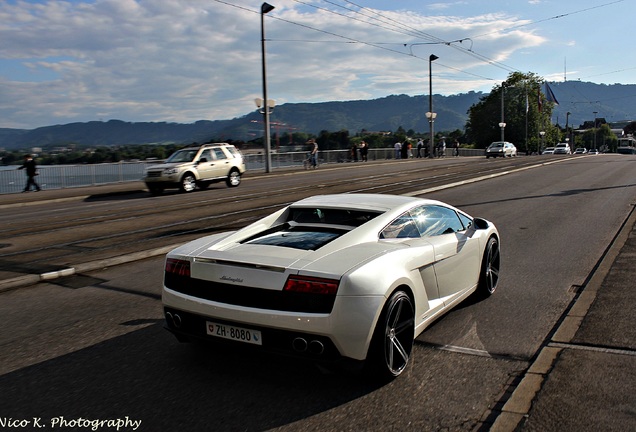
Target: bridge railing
<point>13,180</point>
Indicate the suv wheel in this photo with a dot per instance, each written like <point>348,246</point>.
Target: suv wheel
<point>188,182</point>
<point>233,178</point>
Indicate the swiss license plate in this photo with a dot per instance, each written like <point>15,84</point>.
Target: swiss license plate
<point>234,333</point>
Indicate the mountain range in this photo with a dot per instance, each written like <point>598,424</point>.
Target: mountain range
<point>614,103</point>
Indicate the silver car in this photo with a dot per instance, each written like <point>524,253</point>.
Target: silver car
<point>501,149</point>
<point>199,166</point>
<point>562,148</point>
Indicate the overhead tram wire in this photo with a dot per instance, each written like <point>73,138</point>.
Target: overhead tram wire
<point>452,44</point>
<point>548,19</point>
<point>415,32</point>
<point>494,62</point>
<point>410,32</point>
<point>352,40</point>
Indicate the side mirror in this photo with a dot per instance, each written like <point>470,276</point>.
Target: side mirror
<point>480,223</point>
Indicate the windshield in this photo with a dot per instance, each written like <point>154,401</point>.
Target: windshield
<point>183,156</point>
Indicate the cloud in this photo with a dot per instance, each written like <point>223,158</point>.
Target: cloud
<point>182,61</point>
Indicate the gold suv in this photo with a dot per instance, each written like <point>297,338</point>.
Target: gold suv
<point>193,167</point>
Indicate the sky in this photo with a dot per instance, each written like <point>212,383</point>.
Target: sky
<point>188,60</point>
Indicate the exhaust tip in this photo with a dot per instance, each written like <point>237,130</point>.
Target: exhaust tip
<point>176,319</point>
<point>299,344</point>
<point>316,347</point>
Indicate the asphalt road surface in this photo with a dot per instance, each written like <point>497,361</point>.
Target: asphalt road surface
<point>91,347</point>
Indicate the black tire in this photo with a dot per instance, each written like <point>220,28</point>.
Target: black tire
<point>233,178</point>
<point>490,264</point>
<point>188,182</point>
<point>392,344</point>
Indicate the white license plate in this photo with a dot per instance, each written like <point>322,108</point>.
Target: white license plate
<point>238,334</point>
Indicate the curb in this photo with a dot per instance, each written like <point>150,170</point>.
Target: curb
<point>22,281</point>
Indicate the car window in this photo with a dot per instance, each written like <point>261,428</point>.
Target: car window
<point>182,156</point>
<point>330,216</point>
<point>402,227</point>
<point>205,154</point>
<point>219,153</point>
<point>233,151</point>
<point>432,220</point>
<point>467,222</point>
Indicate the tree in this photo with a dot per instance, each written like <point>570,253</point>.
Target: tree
<point>605,138</point>
<point>526,112</point>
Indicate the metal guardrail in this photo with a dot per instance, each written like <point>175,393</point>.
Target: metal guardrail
<point>13,180</point>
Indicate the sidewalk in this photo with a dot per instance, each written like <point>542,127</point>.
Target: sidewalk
<point>71,194</point>
<point>584,378</point>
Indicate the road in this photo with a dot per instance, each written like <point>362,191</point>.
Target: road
<point>92,345</point>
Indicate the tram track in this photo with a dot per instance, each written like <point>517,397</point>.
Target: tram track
<point>87,215</point>
<point>98,229</point>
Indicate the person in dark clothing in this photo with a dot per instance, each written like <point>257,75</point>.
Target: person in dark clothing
<point>31,172</point>
<point>404,151</point>
<point>364,151</point>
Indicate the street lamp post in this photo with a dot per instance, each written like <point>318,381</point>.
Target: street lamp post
<point>542,133</point>
<point>265,8</point>
<point>502,125</point>
<point>567,127</point>
<point>430,115</point>
<point>595,112</point>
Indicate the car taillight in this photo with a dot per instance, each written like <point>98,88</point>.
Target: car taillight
<point>311,285</point>
<point>178,267</point>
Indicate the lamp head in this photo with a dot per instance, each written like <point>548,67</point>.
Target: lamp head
<point>266,7</point>
<point>432,57</point>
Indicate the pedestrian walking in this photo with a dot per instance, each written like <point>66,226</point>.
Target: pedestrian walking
<point>31,172</point>
<point>314,153</point>
<point>405,150</point>
<point>364,150</point>
<point>398,149</point>
<point>420,144</point>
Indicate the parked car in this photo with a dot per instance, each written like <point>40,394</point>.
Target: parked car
<point>501,149</point>
<point>592,152</point>
<point>580,150</point>
<point>548,150</point>
<point>562,148</point>
<point>348,279</point>
<point>198,166</point>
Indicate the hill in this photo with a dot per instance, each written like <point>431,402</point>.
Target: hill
<point>580,99</point>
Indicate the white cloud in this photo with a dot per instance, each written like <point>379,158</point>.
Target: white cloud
<point>182,61</point>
